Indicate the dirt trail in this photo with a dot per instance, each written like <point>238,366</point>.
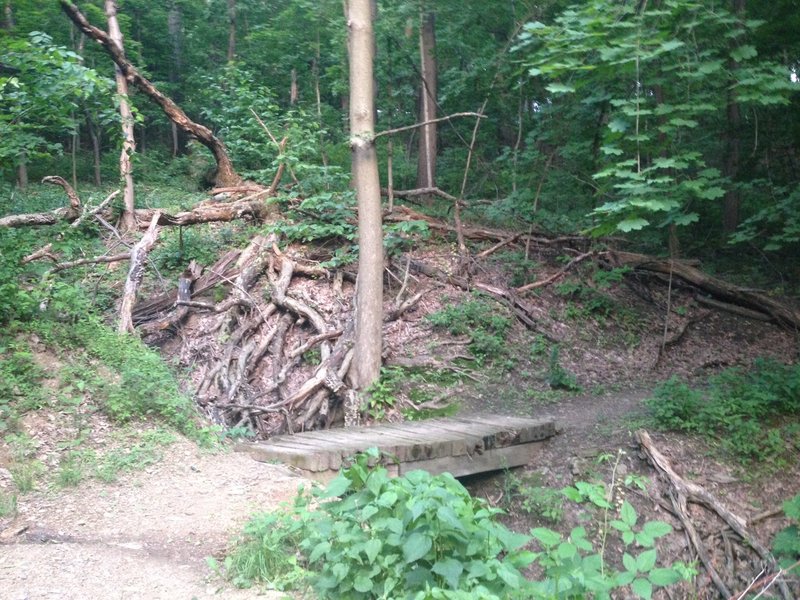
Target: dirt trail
<point>145,537</point>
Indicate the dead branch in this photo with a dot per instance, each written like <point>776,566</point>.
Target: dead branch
<point>252,209</point>
<point>498,246</point>
<point>785,315</point>
<point>74,200</point>
<point>43,252</point>
<point>91,261</point>
<point>686,491</point>
<point>559,274</point>
<point>732,308</point>
<point>135,273</point>
<point>91,212</point>
<point>430,122</point>
<point>226,174</point>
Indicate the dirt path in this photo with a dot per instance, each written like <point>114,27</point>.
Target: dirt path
<point>147,536</point>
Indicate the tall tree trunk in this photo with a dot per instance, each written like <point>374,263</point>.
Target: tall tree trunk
<point>226,175</point>
<point>293,88</point>
<point>175,29</point>
<point>94,135</point>
<point>128,143</point>
<point>426,159</point>
<point>22,173</point>
<point>730,214</point>
<point>366,364</point>
<point>231,30</point>
<point>8,16</point>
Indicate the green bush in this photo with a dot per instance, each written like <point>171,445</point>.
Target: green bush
<point>738,411</point>
<point>371,536</point>
<point>482,320</point>
<point>786,544</point>
<point>423,537</point>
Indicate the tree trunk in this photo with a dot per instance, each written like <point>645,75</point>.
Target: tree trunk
<point>22,173</point>
<point>366,365</point>
<point>231,30</point>
<point>730,214</point>
<point>175,28</point>
<point>128,143</point>
<point>8,16</point>
<point>426,160</point>
<point>94,135</point>
<point>226,175</point>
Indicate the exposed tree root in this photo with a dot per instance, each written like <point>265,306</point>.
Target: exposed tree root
<point>682,492</point>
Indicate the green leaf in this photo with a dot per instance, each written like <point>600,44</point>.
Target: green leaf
<point>450,569</point>
<point>628,514</point>
<point>417,545</point>
<point>657,529</point>
<point>337,487</point>
<point>372,548</point>
<point>632,224</point>
<point>547,537</point>
<point>318,551</point>
<point>642,588</point>
<point>363,584</point>
<point>744,52</point>
<point>660,577</point>
<point>559,88</point>
<point>646,561</point>
<point>387,499</point>
<point>629,562</point>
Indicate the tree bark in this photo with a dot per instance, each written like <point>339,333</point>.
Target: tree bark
<point>8,16</point>
<point>426,159</point>
<point>366,364</point>
<point>128,142</point>
<point>226,175</point>
<point>22,173</point>
<point>231,30</point>
<point>730,214</point>
<point>175,29</point>
<point>135,274</point>
<point>94,135</point>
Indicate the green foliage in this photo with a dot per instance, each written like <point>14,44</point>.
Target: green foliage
<point>776,225</point>
<point>371,536</point>
<point>47,86</point>
<point>20,381</point>
<point>418,536</point>
<point>531,497</point>
<point>656,75</point>
<point>179,246</point>
<point>744,413</point>
<point>8,504</point>
<point>558,378</point>
<point>786,544</point>
<point>485,322</point>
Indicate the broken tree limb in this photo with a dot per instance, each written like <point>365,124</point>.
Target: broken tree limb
<point>429,122</point>
<point>226,175</point>
<point>91,212</point>
<point>209,212</point>
<point>785,315</point>
<point>43,252</point>
<point>732,308</point>
<point>135,273</point>
<point>687,491</point>
<point>74,200</point>
<point>558,275</point>
<point>65,213</point>
<point>110,258</point>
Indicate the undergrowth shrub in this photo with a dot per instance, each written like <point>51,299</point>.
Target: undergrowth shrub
<point>786,544</point>
<point>740,412</point>
<point>424,537</point>
<point>482,320</point>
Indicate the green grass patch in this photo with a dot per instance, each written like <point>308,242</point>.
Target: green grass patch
<point>750,416</point>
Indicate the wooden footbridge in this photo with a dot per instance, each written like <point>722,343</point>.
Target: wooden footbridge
<point>460,446</point>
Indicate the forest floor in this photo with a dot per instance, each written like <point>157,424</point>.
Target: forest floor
<point>148,534</point>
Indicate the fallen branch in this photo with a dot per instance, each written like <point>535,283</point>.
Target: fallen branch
<point>91,212</point>
<point>785,315</point>
<point>43,252</point>
<point>251,209</point>
<point>74,200</point>
<point>424,123</point>
<point>91,261</point>
<point>558,275</point>
<point>686,491</point>
<point>138,257</point>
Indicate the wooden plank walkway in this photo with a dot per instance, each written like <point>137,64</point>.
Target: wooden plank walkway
<point>461,446</point>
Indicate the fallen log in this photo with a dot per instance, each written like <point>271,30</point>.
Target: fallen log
<point>210,212</point>
<point>783,314</point>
